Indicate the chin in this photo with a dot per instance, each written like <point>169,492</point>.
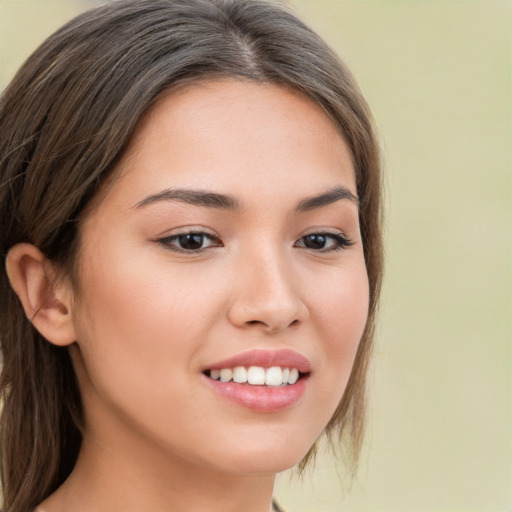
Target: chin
<point>271,455</point>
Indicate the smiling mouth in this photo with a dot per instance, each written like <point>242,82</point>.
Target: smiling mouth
<point>274,376</point>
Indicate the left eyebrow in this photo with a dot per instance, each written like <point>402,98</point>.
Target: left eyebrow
<point>333,195</point>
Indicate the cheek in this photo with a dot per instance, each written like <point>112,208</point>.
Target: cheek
<point>142,293</point>
<point>138,335</point>
<point>341,314</point>
<point>341,304</point>
<point>143,319</point>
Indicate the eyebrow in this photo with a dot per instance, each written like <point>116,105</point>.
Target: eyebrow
<point>333,195</point>
<point>228,202</point>
<point>194,197</point>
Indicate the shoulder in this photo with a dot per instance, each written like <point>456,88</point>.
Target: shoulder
<point>276,507</point>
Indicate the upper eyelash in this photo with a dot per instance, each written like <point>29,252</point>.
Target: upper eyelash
<point>167,239</point>
<point>342,240</point>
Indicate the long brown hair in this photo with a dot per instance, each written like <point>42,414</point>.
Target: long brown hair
<point>66,119</point>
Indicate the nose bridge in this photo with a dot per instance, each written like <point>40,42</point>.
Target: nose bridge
<point>267,294</point>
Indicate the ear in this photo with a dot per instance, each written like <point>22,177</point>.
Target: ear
<point>46,301</point>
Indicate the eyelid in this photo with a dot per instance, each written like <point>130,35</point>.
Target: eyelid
<point>339,238</point>
<point>342,240</point>
<point>167,239</point>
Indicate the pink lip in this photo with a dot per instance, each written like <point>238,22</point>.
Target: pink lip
<point>266,358</point>
<point>262,398</point>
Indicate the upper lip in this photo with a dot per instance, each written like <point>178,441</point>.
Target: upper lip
<point>285,358</point>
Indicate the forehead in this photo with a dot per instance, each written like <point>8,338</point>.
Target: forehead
<point>237,135</point>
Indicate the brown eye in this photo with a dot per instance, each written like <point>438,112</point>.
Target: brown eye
<point>190,242</point>
<point>315,241</point>
<point>324,242</point>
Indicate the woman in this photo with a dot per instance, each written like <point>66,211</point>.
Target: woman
<point>191,231</point>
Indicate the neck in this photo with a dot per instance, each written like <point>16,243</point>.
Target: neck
<point>135,476</point>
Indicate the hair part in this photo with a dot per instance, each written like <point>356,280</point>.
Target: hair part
<point>67,117</point>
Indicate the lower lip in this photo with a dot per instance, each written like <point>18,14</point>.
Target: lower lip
<point>260,398</point>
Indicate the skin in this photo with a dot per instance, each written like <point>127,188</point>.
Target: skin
<point>149,316</point>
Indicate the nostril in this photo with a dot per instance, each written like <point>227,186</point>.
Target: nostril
<point>259,322</point>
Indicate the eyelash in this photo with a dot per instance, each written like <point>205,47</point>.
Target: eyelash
<point>168,241</point>
<point>341,241</point>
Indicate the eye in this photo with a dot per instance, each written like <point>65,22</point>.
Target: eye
<point>190,241</point>
<point>324,242</point>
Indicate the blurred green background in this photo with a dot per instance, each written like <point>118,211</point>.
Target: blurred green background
<point>437,74</point>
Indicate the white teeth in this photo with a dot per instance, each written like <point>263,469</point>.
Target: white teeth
<point>257,375</point>
<point>294,376</point>
<point>239,374</point>
<point>274,376</point>
<point>226,375</point>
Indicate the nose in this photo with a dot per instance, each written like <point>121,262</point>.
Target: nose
<point>266,295</point>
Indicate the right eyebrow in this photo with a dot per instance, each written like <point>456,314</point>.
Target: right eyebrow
<point>194,197</point>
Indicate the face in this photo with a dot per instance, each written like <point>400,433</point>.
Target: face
<point>227,246</point>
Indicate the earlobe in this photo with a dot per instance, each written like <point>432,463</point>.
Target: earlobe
<point>46,301</point>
